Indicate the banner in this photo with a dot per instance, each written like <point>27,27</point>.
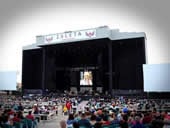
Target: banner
<point>71,35</point>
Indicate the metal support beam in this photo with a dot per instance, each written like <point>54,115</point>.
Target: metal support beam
<point>110,68</point>
<point>43,69</point>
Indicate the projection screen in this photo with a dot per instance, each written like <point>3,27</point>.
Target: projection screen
<point>156,77</point>
<point>8,80</point>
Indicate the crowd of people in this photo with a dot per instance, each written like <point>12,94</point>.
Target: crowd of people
<point>120,113</point>
<point>96,112</point>
<point>16,110</point>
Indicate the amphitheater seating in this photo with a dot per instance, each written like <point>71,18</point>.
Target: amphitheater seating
<point>18,125</point>
<point>7,126</point>
<point>111,126</point>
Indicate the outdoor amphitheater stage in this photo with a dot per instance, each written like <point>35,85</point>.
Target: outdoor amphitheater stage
<point>111,59</point>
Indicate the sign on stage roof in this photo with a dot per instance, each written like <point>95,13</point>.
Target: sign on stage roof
<point>86,34</point>
<point>71,35</point>
<point>74,36</point>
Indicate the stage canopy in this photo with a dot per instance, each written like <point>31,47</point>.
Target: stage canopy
<point>58,61</point>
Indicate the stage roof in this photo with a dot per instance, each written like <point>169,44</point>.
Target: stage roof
<point>83,35</point>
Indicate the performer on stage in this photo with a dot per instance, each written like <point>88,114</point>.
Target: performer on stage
<point>87,79</point>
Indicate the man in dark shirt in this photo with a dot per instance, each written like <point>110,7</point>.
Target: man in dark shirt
<point>84,122</point>
<point>20,107</point>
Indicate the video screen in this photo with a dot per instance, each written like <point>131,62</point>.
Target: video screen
<point>86,78</point>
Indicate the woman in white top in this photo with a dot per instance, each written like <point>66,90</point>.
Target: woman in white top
<point>87,79</point>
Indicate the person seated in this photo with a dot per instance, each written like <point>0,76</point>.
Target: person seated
<point>70,120</point>
<point>138,123</point>
<point>75,125</point>
<point>124,121</point>
<point>7,120</point>
<point>93,119</point>
<point>15,118</point>
<point>105,120</point>
<point>20,107</point>
<point>84,121</point>
<point>20,115</point>
<point>147,118</point>
<point>36,109</point>
<point>30,116</point>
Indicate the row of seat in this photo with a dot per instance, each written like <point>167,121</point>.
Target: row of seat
<point>25,123</point>
<point>117,126</point>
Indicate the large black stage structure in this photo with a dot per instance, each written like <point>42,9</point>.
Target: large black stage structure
<point>115,64</point>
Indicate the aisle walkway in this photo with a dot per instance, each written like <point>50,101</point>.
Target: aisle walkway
<point>55,122</point>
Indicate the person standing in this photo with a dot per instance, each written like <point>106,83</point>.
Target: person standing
<point>68,106</point>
